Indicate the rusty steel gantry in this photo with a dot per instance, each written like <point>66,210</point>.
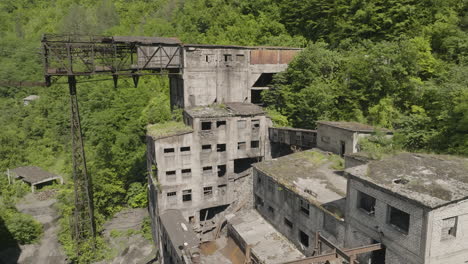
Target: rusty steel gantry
<point>74,56</point>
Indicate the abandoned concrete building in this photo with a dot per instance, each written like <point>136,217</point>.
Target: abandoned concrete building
<point>34,176</point>
<point>227,187</point>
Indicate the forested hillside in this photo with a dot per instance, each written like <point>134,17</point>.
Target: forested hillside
<point>393,63</point>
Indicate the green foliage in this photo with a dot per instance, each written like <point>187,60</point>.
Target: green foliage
<point>378,145</point>
<point>278,119</point>
<point>137,195</point>
<point>146,229</point>
<point>23,228</point>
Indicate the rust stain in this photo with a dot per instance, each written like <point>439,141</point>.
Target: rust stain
<point>286,56</point>
<point>208,248</point>
<point>233,252</point>
<point>264,56</point>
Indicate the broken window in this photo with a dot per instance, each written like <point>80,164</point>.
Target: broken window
<point>304,207</point>
<point>288,223</point>
<point>170,175</point>
<point>241,124</point>
<point>169,150</point>
<point>258,201</point>
<point>254,144</point>
<point>186,173</point>
<point>227,57</point>
<point>221,147</point>
<point>303,238</point>
<point>207,192</point>
<point>207,170</point>
<point>171,197</point>
<point>449,228</point>
<point>366,203</point>
<point>255,124</point>
<point>241,145</point>
<point>221,170</point>
<point>220,124</point>
<point>399,219</point>
<point>185,149</point>
<point>186,195</point>
<point>206,148</point>
<point>206,125</point>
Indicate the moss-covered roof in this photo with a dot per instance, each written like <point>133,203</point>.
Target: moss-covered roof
<point>312,174</point>
<point>223,110</point>
<point>167,129</point>
<point>431,180</point>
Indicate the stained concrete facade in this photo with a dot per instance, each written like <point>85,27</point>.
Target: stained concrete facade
<point>343,137</point>
<point>204,167</point>
<point>219,74</point>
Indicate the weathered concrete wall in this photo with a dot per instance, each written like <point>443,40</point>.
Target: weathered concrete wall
<point>302,138</point>
<point>329,139</point>
<point>442,247</point>
<point>280,203</point>
<point>401,247</point>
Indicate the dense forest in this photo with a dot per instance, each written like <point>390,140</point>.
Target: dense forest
<point>399,64</point>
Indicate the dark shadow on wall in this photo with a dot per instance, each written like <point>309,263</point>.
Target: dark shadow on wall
<point>9,248</point>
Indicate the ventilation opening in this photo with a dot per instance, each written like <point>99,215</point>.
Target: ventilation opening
<point>264,80</point>
<point>209,213</point>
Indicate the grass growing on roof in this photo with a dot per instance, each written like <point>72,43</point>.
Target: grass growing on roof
<point>167,129</point>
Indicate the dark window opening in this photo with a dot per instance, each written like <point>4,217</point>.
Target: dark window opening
<point>304,238</point>
<point>208,191</point>
<point>169,194</point>
<point>220,124</point>
<point>305,207</point>
<point>241,145</point>
<point>288,223</point>
<point>206,125</point>
<point>191,219</point>
<point>221,147</point>
<point>241,165</point>
<point>169,150</point>
<point>258,201</point>
<point>342,148</point>
<point>399,219</point>
<point>221,170</point>
<point>271,210</point>
<point>185,149</point>
<point>255,124</point>
<point>255,144</point>
<point>366,203</point>
<point>209,213</point>
<point>264,80</point>
<point>207,170</point>
<point>259,179</point>
<point>256,96</point>
<point>378,256</point>
<point>227,57</point>
<point>170,173</point>
<point>240,57</point>
<point>186,173</point>
<point>186,195</point>
<point>206,148</point>
<point>449,228</point>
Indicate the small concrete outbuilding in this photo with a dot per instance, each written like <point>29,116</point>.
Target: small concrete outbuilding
<point>34,176</point>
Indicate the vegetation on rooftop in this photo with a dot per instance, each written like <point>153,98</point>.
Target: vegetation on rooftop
<point>167,129</point>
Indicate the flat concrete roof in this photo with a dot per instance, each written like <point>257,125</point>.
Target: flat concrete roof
<point>225,110</point>
<point>34,175</point>
<point>211,46</point>
<point>167,129</point>
<point>314,175</point>
<point>295,129</point>
<point>430,180</point>
<point>353,126</point>
<point>269,245</point>
<point>179,230</point>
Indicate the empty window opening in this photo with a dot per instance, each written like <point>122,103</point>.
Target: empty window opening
<point>258,201</point>
<point>207,170</point>
<point>170,194</point>
<point>186,173</point>
<point>227,57</point>
<point>254,144</point>
<point>185,149</point>
<point>288,223</point>
<point>378,256</point>
<point>271,210</point>
<point>206,125</point>
<point>191,219</point>
<point>264,80</point>
<point>222,189</point>
<point>241,124</point>
<point>399,219</point>
<point>241,145</point>
<point>186,195</point>
<point>366,203</point>
<point>209,213</point>
<point>449,228</point>
<point>241,165</point>
<point>221,170</point>
<point>172,197</point>
<point>169,150</point>
<point>206,148</point>
<point>303,238</point>
<point>220,124</point>
<point>256,96</point>
<point>304,207</point>
<point>240,57</point>
<point>342,148</point>
<point>221,147</point>
<point>255,124</point>
<point>171,175</point>
<point>209,58</point>
<point>208,192</point>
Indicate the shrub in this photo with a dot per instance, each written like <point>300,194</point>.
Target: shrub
<point>23,228</point>
<point>136,195</point>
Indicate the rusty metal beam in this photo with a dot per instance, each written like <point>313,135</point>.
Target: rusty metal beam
<point>363,249</point>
